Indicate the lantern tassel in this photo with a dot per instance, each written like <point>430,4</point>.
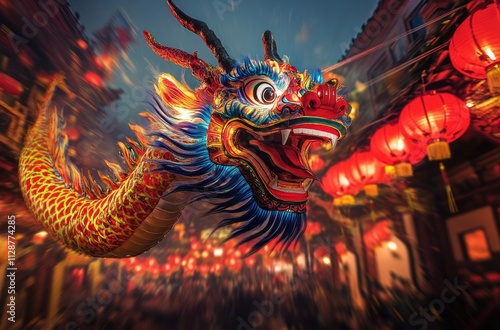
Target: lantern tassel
<point>438,150</point>
<point>403,170</point>
<point>451,200</point>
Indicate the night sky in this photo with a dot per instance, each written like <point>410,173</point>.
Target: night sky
<point>313,34</point>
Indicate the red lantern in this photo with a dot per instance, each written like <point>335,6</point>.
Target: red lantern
<point>25,58</point>
<point>78,275</point>
<point>313,228</point>
<point>340,249</point>
<point>204,269</point>
<point>417,153</point>
<point>234,263</point>
<point>321,252</point>
<point>475,46</point>
<point>175,261</point>
<point>250,261</point>
<point>167,268</point>
<point>337,184</point>
<point>195,245</point>
<point>390,146</point>
<point>369,240</point>
<point>382,231</point>
<point>155,271</point>
<point>151,262</point>
<point>82,44</point>
<point>366,170</point>
<point>189,263</point>
<point>216,267</point>
<point>434,120</point>
<point>73,133</point>
<point>10,85</point>
<point>93,79</point>
<point>39,237</point>
<point>316,163</point>
<point>243,249</point>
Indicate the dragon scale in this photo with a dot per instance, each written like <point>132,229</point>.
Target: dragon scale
<point>98,226</point>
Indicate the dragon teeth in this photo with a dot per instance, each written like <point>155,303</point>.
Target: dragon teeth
<point>313,132</point>
<point>333,140</point>
<point>285,133</point>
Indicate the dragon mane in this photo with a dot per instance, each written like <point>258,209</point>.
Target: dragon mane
<point>183,118</point>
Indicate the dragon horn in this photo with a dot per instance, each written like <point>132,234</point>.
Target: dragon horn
<point>270,48</point>
<point>201,70</point>
<point>208,36</point>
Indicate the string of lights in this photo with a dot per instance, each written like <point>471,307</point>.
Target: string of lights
<point>390,41</point>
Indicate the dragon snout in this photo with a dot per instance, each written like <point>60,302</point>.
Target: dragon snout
<point>323,98</point>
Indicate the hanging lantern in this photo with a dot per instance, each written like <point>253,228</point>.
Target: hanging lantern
<point>337,184</point>
<point>391,147</point>
<point>175,262</point>
<point>216,268</point>
<point>233,263</point>
<point>10,85</point>
<point>189,263</point>
<point>340,249</point>
<point>166,268</point>
<point>417,153</point>
<point>366,171</point>
<point>382,231</point>
<point>204,269</point>
<point>434,120</point>
<point>93,79</point>
<point>26,58</point>
<point>475,46</point>
<point>312,228</point>
<point>250,261</point>
<point>379,233</point>
<point>370,241</point>
<point>82,44</point>
<point>316,163</point>
<point>321,252</point>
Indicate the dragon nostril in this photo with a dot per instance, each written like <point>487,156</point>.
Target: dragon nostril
<point>341,107</point>
<point>311,101</point>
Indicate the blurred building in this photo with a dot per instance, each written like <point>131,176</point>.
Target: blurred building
<point>400,52</point>
<point>37,40</point>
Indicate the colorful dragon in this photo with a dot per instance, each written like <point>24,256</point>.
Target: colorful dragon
<point>240,140</point>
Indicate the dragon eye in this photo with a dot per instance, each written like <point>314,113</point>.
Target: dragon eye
<point>264,93</point>
<point>260,91</point>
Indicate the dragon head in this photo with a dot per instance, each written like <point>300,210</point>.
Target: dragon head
<point>263,116</point>
<point>266,115</point>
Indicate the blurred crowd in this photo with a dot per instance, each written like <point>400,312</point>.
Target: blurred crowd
<point>246,300</point>
<point>223,301</point>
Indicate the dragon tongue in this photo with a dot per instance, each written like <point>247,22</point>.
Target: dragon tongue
<point>286,158</point>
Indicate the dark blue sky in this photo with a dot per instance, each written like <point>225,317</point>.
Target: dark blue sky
<point>312,33</point>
